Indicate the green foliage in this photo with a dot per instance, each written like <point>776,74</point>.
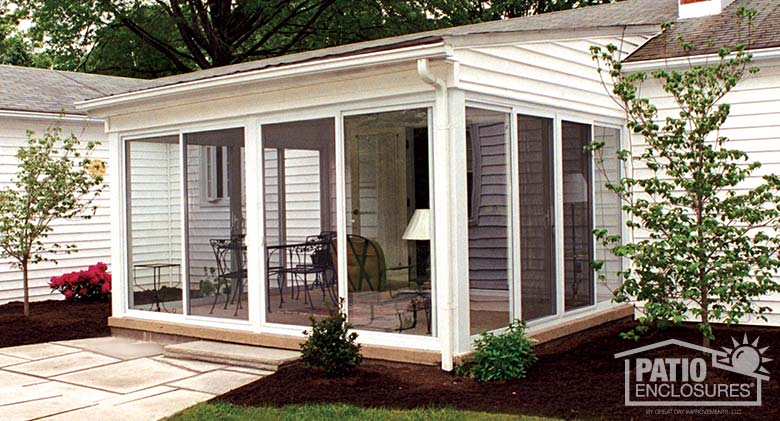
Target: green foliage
<point>330,346</point>
<point>56,180</point>
<point>503,356</point>
<point>705,243</point>
<point>153,39</point>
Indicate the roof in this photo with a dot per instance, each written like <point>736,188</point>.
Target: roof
<point>621,14</point>
<point>708,34</point>
<point>51,91</point>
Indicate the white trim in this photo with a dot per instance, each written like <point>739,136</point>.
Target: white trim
<point>255,223</point>
<point>560,249</point>
<point>54,117</point>
<point>354,62</point>
<point>703,59</point>
<point>118,197</point>
<point>514,177</point>
<point>185,223</point>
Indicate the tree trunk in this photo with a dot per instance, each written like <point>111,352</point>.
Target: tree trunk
<point>705,314</point>
<point>26,288</point>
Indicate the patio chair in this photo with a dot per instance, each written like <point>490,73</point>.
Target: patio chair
<point>367,273</point>
<point>231,269</point>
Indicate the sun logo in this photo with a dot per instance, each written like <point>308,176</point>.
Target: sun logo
<point>746,357</point>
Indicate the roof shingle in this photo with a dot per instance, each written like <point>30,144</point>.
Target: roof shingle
<point>708,34</point>
<point>51,91</point>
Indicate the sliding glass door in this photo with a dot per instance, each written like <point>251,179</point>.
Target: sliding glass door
<point>300,223</point>
<point>537,216</point>
<point>389,224</point>
<point>489,209</point>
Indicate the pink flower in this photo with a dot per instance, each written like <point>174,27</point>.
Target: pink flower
<point>68,294</point>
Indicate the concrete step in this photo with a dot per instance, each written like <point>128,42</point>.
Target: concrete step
<point>234,354</point>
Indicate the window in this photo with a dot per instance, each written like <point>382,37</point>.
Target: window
<point>216,177</point>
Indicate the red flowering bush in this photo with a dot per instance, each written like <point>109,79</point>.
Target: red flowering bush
<point>93,284</point>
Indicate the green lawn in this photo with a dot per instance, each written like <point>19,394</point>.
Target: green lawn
<point>222,411</point>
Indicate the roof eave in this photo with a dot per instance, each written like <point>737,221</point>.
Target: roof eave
<point>48,116</point>
<point>438,50</point>
<point>683,62</point>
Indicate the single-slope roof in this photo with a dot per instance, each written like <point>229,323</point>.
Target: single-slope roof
<point>50,91</point>
<point>708,34</point>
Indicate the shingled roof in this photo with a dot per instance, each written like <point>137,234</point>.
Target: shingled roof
<point>708,34</point>
<point>621,14</point>
<point>51,91</point>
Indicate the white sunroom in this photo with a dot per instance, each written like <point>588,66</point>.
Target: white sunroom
<point>436,184</point>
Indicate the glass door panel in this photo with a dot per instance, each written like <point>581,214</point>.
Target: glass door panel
<point>490,245</point>
<point>537,216</point>
<point>389,222</point>
<point>577,215</point>
<point>300,221</point>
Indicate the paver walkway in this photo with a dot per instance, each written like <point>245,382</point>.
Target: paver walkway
<point>107,379</point>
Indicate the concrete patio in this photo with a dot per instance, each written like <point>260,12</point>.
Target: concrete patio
<point>109,379</point>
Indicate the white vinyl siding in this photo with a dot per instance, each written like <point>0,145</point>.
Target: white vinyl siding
<point>558,74</point>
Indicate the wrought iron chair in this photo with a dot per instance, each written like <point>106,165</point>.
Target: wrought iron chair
<point>231,269</point>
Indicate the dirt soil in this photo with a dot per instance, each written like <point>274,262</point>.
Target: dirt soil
<point>52,321</point>
<point>576,377</point>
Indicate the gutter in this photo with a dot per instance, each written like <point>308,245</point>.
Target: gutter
<point>683,62</point>
<point>432,51</point>
<point>36,115</point>
<point>442,123</point>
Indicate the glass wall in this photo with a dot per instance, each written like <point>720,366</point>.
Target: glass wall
<point>216,214</point>
<point>389,222</point>
<point>154,224</point>
<point>300,221</point>
<point>607,213</point>
<point>490,245</point>
<point>577,216</point>
<point>537,216</point>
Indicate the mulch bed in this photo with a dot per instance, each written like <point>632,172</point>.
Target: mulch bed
<point>575,377</point>
<point>52,321</point>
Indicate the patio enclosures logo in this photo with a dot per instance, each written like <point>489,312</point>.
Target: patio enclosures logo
<point>677,373</point>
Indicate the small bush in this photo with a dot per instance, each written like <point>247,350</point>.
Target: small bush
<point>503,356</point>
<point>93,284</point>
<point>330,346</point>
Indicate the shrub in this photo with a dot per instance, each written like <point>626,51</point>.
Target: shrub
<point>502,356</point>
<point>93,284</point>
<point>330,346</point>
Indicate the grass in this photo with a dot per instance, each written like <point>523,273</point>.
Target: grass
<point>227,412</point>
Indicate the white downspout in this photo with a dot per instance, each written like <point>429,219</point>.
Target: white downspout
<point>443,269</point>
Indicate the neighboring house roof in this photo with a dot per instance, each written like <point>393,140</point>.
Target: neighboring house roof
<point>28,89</point>
<point>708,34</point>
<point>621,14</point>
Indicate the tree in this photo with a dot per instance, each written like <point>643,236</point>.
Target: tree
<point>710,248</point>
<point>56,180</point>
<point>163,37</point>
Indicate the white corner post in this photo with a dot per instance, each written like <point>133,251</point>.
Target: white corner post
<point>255,221</point>
<point>118,205</point>
<point>450,254</point>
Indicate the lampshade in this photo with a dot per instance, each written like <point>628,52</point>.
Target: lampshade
<point>419,227</point>
<point>575,188</point>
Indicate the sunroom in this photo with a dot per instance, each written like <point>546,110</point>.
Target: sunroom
<point>437,186</point>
